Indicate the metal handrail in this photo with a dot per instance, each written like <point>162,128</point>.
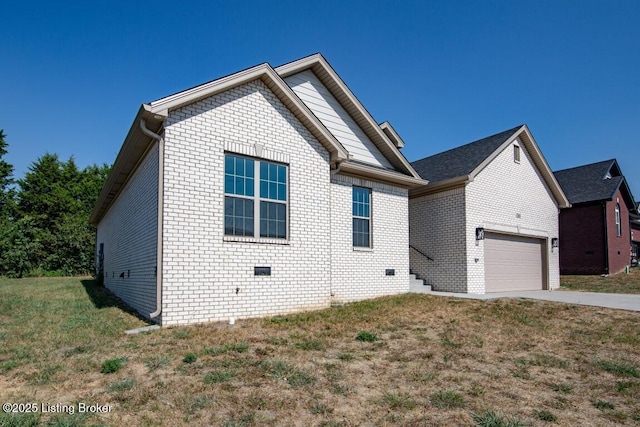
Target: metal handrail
<point>421,253</point>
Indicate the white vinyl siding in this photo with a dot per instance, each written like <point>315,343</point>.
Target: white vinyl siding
<point>336,119</point>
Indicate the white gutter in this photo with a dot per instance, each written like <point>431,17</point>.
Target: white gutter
<point>146,131</point>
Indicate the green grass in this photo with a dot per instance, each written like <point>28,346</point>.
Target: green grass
<point>619,284</point>
<point>367,337</point>
<point>619,368</point>
<point>489,418</point>
<point>111,366</point>
<point>447,399</point>
<point>431,361</point>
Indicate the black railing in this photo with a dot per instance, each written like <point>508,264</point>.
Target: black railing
<point>421,253</point>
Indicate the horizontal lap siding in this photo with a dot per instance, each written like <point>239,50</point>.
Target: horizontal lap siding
<point>322,103</point>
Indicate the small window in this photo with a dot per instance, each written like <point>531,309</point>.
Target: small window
<point>361,208</point>
<point>618,222</point>
<point>516,153</point>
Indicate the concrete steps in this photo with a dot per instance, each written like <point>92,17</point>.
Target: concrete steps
<point>418,285</point>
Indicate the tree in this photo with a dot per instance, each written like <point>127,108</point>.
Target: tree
<point>53,205</point>
<point>6,173</point>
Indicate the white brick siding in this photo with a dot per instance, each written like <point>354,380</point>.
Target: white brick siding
<point>359,273</point>
<point>437,229</point>
<point>129,234</point>
<point>443,225</point>
<point>208,277</point>
<point>495,198</point>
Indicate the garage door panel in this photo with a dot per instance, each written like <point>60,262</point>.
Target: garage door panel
<point>513,263</point>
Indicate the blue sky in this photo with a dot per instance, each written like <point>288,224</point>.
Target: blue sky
<point>444,73</point>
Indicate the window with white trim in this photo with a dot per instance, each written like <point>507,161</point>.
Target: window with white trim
<point>618,222</point>
<point>255,198</point>
<point>361,210</point>
<point>516,153</point>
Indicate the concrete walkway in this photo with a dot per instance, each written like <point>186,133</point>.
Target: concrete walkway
<point>619,301</point>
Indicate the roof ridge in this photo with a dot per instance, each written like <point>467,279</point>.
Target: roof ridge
<point>511,131</point>
<point>610,161</point>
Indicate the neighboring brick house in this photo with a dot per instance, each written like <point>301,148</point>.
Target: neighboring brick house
<point>635,234</point>
<point>595,235</point>
<point>267,191</point>
<point>488,217</point>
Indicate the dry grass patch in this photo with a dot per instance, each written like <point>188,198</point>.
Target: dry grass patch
<point>434,361</point>
<point>619,284</point>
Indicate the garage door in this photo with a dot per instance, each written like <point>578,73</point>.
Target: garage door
<point>513,263</point>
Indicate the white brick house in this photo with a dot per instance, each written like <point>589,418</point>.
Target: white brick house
<point>268,191</point>
<point>488,219</point>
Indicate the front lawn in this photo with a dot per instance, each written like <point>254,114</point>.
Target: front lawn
<point>405,360</point>
<point>620,283</point>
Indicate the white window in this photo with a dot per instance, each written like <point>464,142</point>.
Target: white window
<point>516,153</point>
<point>255,202</point>
<point>361,209</point>
<point>618,222</point>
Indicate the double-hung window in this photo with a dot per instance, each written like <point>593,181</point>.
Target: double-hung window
<point>361,210</point>
<point>255,201</point>
<point>618,222</point>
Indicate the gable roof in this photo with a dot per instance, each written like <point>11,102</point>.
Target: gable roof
<point>330,79</point>
<point>150,118</point>
<point>460,165</point>
<point>461,161</point>
<point>594,182</point>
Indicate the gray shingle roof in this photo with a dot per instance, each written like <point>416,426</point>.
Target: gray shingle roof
<point>587,183</point>
<point>460,161</point>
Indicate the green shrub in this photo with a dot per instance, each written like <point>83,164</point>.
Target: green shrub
<point>112,365</point>
<point>367,337</point>
<point>190,358</point>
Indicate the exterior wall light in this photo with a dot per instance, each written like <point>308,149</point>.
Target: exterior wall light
<point>554,242</point>
<point>480,233</point>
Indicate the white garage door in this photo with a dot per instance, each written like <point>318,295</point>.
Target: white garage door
<point>513,263</point>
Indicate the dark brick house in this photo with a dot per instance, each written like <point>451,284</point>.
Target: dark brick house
<point>635,233</point>
<point>595,233</point>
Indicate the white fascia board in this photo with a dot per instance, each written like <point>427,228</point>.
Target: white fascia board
<point>381,175</point>
<point>267,74</point>
<point>208,89</point>
<point>538,160</point>
<point>437,187</point>
<point>392,134</point>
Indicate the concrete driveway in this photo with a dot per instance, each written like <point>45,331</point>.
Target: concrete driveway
<point>619,301</point>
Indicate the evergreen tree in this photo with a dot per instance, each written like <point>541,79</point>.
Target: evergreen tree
<point>6,173</point>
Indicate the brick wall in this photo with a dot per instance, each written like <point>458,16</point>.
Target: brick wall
<point>208,276</point>
<point>512,198</point>
<point>129,234</point>
<point>359,273</point>
<point>619,246</point>
<point>436,228</point>
<point>582,245</point>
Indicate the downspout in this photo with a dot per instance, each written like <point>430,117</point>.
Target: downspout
<point>606,238</point>
<point>146,131</point>
<point>333,172</point>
